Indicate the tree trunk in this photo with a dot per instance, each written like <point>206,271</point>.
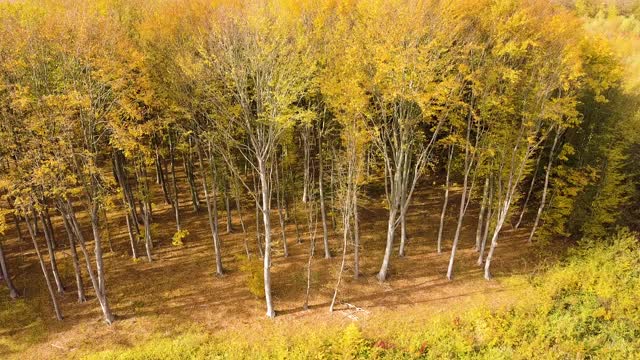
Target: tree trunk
<point>487,224</point>
<point>161,176</point>
<point>306,148</point>
<point>98,282</point>
<point>76,262</point>
<point>54,301</point>
<point>323,211</point>
<point>258,236</point>
<point>212,224</point>
<point>545,188</point>
<point>356,237</point>
<point>382,274</point>
<point>312,249</point>
<point>463,198</point>
<point>47,226</point>
<point>244,228</point>
<point>264,186</point>
<point>106,228</point>
<point>188,168</point>
<point>227,206</point>
<point>176,203</point>
<point>483,205</point>
<point>52,255</point>
<point>13,293</point>
<point>403,222</point>
<point>280,216</point>
<point>446,199</point>
<point>526,201</point>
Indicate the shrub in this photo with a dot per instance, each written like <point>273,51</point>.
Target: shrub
<point>253,269</point>
<point>178,237</point>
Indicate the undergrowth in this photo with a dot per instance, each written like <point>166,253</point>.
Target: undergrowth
<point>585,307</point>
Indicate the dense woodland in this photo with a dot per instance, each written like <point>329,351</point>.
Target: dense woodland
<point>293,111</point>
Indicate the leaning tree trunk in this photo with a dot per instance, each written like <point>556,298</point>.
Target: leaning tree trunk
<point>76,262</point>
<point>13,293</point>
<point>345,236</point>
<point>545,188</point>
<point>97,280</point>
<point>52,255</point>
<point>54,301</point>
<point>487,224</point>
<point>132,226</point>
<point>526,201</point>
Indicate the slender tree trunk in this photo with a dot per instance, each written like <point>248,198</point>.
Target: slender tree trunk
<point>306,148</point>
<point>463,198</point>
<point>95,227</point>
<point>13,293</point>
<point>35,221</point>
<point>146,210</point>
<point>483,205</point>
<point>16,220</point>
<point>48,227</point>
<point>446,199</point>
<point>323,210</point>
<point>294,215</point>
<point>258,236</point>
<point>545,188</point>
<point>212,224</point>
<point>52,255</point>
<point>132,239</point>
<point>403,219</point>
<point>214,210</point>
<point>333,195</point>
<point>97,279</point>
<point>227,205</point>
<point>356,237</point>
<point>176,204</point>
<point>280,217</point>
<point>76,262</point>
<point>312,249</point>
<point>487,225</point>
<point>106,227</point>
<point>264,186</point>
<point>188,168</point>
<point>132,226</point>
<point>346,216</point>
<point>54,301</point>
<point>244,228</point>
<point>161,176</point>
<point>526,201</point>
<point>382,274</point>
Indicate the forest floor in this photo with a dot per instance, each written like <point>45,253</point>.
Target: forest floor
<point>179,290</point>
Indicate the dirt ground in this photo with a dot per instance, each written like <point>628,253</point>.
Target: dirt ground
<point>179,290</point>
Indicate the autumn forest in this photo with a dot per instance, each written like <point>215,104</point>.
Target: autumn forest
<point>177,174</point>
